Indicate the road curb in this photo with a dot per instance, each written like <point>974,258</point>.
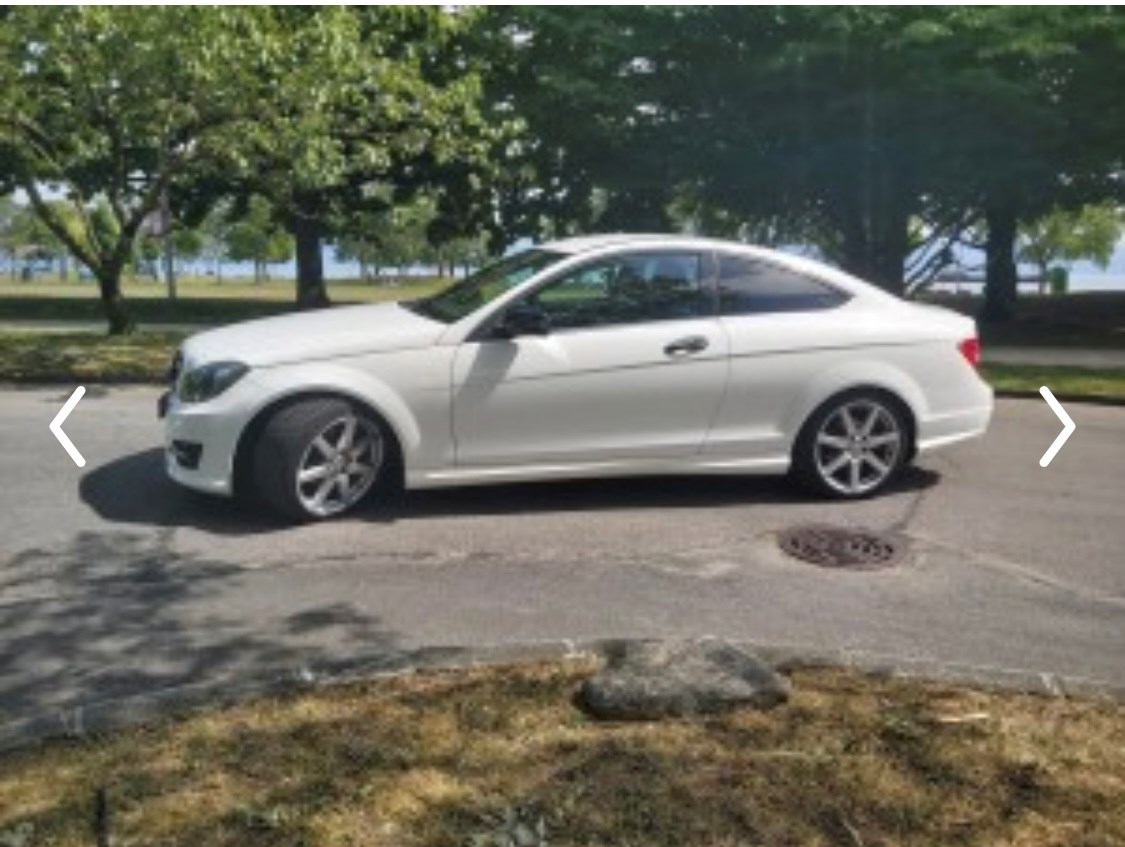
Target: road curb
<point>1091,400</point>
<point>97,717</point>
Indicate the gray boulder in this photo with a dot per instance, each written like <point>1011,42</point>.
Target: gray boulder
<point>648,680</point>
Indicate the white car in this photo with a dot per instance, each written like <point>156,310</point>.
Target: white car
<point>597,356</point>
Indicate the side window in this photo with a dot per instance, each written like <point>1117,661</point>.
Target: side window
<point>749,286</point>
<point>630,288</point>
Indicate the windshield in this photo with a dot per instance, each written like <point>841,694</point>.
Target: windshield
<point>465,297</point>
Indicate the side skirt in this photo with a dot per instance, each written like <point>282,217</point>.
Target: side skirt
<point>448,477</point>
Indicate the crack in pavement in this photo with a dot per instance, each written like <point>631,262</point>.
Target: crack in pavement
<point>1023,572</point>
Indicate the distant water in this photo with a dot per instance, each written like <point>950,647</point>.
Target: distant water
<point>333,269</point>
<point>1084,276</point>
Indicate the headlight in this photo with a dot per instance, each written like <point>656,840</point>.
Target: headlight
<point>210,380</point>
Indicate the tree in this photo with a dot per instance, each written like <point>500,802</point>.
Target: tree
<point>257,238</point>
<point>383,234</point>
<point>812,124</point>
<point>15,232</point>
<point>881,134</point>
<point>358,98</point>
<point>575,146</point>
<point>1091,232</point>
<point>24,238</point>
<point>1039,123</point>
<point>406,235</point>
<point>187,244</point>
<point>115,106</point>
<point>214,231</point>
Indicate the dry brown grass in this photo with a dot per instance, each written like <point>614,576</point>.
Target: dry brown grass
<point>467,757</point>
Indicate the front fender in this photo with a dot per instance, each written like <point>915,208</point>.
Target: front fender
<point>279,383</point>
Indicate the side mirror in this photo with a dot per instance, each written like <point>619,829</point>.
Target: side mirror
<point>523,319</point>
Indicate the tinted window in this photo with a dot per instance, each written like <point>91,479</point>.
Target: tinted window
<point>748,286</point>
<point>630,288</point>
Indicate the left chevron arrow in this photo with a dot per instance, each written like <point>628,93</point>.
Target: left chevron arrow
<point>56,426</point>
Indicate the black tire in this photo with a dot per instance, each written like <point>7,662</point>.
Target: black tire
<point>809,466</point>
<point>286,441</point>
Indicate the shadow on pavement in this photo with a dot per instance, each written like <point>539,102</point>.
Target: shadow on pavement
<point>642,492</point>
<point>135,490</point>
<point>119,614</point>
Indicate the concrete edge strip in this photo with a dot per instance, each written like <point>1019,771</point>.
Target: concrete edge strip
<point>113,714</point>
<point>1065,397</point>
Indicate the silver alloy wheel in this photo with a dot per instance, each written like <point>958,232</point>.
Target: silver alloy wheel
<point>339,466</point>
<point>858,446</point>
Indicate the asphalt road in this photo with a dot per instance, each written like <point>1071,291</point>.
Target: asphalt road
<point>114,582</point>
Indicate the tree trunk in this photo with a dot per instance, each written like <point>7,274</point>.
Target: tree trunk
<point>1000,266</point>
<point>875,250</point>
<point>109,284</point>
<point>308,234</point>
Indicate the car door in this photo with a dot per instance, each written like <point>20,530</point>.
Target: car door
<point>633,366</point>
<point>785,329</point>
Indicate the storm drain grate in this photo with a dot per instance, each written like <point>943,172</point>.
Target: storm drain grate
<point>836,547</point>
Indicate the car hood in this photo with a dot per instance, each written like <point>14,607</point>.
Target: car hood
<point>321,334</point>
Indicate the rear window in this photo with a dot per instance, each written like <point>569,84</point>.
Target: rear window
<point>750,286</point>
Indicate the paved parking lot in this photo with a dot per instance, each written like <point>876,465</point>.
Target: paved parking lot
<point>114,582</point>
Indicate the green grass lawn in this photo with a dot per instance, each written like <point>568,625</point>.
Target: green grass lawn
<point>1082,383</point>
<point>196,287</point>
<point>33,355</point>
<point>37,355</point>
<point>200,301</point>
<point>490,756</point>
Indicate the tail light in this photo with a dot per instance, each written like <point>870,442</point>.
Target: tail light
<point>970,349</point>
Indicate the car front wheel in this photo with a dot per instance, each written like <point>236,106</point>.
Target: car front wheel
<point>318,458</point>
<point>852,446</point>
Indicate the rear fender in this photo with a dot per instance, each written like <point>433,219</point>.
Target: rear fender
<point>848,376</point>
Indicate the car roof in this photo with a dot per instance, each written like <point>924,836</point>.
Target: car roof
<point>591,243</point>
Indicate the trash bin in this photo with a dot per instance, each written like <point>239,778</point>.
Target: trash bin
<point>1059,279</point>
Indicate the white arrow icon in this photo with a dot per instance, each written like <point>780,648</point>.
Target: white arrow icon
<point>1068,426</point>
<point>56,426</point>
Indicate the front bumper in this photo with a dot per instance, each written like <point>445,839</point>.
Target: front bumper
<point>200,441</point>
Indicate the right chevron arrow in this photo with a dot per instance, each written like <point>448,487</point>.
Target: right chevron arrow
<point>1068,426</point>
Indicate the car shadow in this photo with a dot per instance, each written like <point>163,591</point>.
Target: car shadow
<point>135,490</point>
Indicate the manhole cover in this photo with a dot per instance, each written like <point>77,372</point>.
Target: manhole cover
<point>836,547</point>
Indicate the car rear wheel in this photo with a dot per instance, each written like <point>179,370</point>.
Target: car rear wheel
<point>853,445</point>
<point>318,458</point>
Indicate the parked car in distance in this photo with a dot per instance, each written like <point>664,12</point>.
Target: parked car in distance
<point>595,356</point>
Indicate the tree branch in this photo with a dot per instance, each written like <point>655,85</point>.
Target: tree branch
<point>56,226</point>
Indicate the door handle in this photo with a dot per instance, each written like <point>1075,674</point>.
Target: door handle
<point>685,346</point>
